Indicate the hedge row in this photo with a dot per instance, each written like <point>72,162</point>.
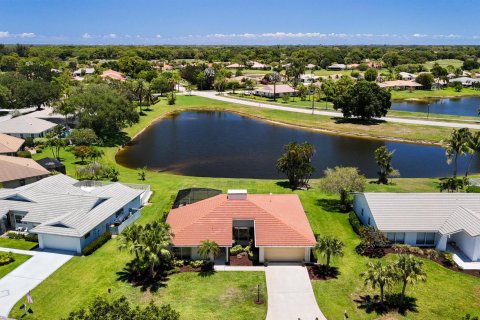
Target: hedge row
<point>97,243</point>
<point>355,222</point>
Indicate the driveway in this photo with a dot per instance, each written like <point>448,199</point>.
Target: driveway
<point>27,276</point>
<point>290,294</point>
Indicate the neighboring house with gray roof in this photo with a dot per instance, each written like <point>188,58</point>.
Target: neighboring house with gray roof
<point>425,219</point>
<point>67,214</point>
<point>26,127</point>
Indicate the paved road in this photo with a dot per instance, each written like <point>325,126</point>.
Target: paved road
<point>213,95</point>
<point>15,285</point>
<point>290,294</point>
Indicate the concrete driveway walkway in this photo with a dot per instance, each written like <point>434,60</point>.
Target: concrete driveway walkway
<point>27,276</point>
<point>290,294</point>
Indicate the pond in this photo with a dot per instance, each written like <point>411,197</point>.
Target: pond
<point>458,106</point>
<point>222,144</point>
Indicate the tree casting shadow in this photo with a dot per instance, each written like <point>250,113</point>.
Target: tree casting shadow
<point>130,275</point>
<point>364,122</point>
<point>392,303</point>
<point>330,205</point>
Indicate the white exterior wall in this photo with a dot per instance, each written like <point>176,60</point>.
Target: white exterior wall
<point>360,205</point>
<point>50,241</point>
<point>469,245</point>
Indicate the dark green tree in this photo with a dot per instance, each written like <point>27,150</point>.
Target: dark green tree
<point>296,163</point>
<point>383,158</point>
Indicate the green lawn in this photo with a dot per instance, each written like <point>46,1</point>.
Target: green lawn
<point>19,259</point>
<point>229,295</point>
<point>429,94</point>
<point>444,63</point>
<point>17,244</point>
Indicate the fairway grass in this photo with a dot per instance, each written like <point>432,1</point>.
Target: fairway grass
<point>229,295</point>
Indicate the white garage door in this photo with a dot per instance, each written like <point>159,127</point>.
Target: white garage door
<point>285,254</point>
<point>59,242</point>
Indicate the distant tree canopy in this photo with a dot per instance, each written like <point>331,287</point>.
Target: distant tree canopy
<point>426,80</point>
<point>364,100</point>
<point>103,109</point>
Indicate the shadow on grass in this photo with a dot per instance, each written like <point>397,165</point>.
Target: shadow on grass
<point>117,139</point>
<point>321,272</point>
<point>130,275</point>
<point>364,122</point>
<point>392,303</point>
<point>207,270</point>
<point>330,205</point>
<point>284,184</point>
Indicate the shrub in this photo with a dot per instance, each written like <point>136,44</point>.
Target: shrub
<point>431,254</point>
<point>355,222</point>
<point>473,189</point>
<point>179,263</point>
<point>401,248</point>
<point>197,263</point>
<point>29,142</point>
<point>6,258</point>
<point>236,249</point>
<point>97,243</point>
<point>24,154</point>
<point>15,236</point>
<point>448,259</point>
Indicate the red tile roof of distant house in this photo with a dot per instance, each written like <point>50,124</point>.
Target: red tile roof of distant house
<point>279,221</point>
<point>112,74</point>
<point>9,144</point>
<point>15,168</point>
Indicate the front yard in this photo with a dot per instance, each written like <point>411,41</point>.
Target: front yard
<point>229,295</point>
<point>17,244</point>
<point>19,259</point>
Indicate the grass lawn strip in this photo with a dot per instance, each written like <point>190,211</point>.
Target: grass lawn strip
<point>19,259</point>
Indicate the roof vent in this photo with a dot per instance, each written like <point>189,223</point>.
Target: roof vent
<point>237,194</point>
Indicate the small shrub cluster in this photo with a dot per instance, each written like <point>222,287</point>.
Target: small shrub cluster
<point>97,243</point>
<point>179,263</point>
<point>20,236</point>
<point>355,222</point>
<point>373,242</point>
<point>238,249</point>
<point>197,263</point>
<point>408,249</point>
<point>24,154</point>
<point>473,189</point>
<point>6,258</point>
<point>448,259</point>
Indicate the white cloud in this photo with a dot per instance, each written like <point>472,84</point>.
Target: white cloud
<point>86,36</point>
<point>419,35</point>
<point>158,36</point>
<point>112,36</point>
<point>27,35</point>
<point>4,34</point>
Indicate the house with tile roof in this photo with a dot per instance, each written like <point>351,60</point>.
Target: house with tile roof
<point>68,214</point>
<point>112,74</point>
<point>275,224</point>
<point>278,90</point>
<point>16,171</point>
<point>445,221</point>
<point>9,146</point>
<point>26,127</point>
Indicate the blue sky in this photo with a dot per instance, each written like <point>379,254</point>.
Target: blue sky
<point>239,22</point>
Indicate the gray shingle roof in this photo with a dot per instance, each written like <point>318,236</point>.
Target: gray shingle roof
<point>24,124</point>
<point>428,212</point>
<point>64,209</point>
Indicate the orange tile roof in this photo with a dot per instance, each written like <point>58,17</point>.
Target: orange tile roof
<point>9,144</point>
<point>279,221</point>
<point>16,168</point>
<point>112,74</point>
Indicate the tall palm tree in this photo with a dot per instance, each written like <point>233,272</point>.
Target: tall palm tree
<point>330,247</point>
<point>456,145</point>
<point>140,88</point>
<point>130,239</point>
<point>209,249</point>
<point>473,149</point>
<point>274,77</point>
<point>156,239</point>
<point>379,275</point>
<point>409,270</point>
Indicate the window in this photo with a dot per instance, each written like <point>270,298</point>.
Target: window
<point>87,235</point>
<point>368,220</point>
<point>241,233</point>
<point>362,212</point>
<point>182,252</point>
<point>425,238</point>
<point>22,182</point>
<point>396,237</point>
<point>18,218</point>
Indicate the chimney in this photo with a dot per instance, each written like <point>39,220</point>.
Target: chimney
<point>237,194</point>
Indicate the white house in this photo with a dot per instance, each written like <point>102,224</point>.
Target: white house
<point>26,127</point>
<point>446,221</point>
<point>337,67</point>
<point>83,71</point>
<point>465,81</point>
<point>278,90</point>
<point>67,214</point>
<point>407,76</point>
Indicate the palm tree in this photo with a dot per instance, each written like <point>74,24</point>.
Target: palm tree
<point>140,88</point>
<point>130,239</point>
<point>409,270</point>
<point>155,240</point>
<point>275,77</point>
<point>378,275</point>
<point>473,148</point>
<point>209,249</point>
<point>383,157</point>
<point>329,246</point>
<point>455,145</point>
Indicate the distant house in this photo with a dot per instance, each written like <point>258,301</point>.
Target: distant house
<point>67,214</point>
<point>465,81</point>
<point>280,90</point>
<point>83,71</point>
<point>26,127</point>
<point>258,66</point>
<point>112,74</point>
<point>167,67</point>
<point>235,66</point>
<point>337,67</point>
<point>445,221</point>
<point>310,66</point>
<point>407,76</point>
<point>400,85</point>
<point>308,78</point>
<point>9,145</point>
<point>275,224</point>
<point>15,171</point>
<point>52,165</point>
